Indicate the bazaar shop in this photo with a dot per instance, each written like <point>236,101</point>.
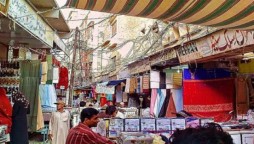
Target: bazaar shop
<point>219,83</point>
<point>29,73</point>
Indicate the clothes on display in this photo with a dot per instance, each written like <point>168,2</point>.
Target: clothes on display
<point>171,109</point>
<point>215,99</point>
<point>44,71</point>
<point>119,94</point>
<point>19,131</point>
<point>55,74</point>
<point>5,110</point>
<point>59,126</point>
<point>63,78</point>
<point>165,105</point>
<point>29,86</point>
<point>48,96</point>
<point>177,96</point>
<point>153,100</point>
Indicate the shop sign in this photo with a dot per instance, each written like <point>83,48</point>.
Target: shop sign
<point>103,88</point>
<point>215,43</point>
<point>24,14</point>
<point>188,52</point>
<point>223,41</point>
<point>4,4</point>
<point>168,55</point>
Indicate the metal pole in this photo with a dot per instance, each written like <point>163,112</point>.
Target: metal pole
<point>75,45</point>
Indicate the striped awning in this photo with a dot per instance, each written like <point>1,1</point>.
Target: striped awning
<point>233,14</point>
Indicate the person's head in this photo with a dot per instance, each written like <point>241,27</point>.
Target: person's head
<point>111,111</point>
<point>60,105</point>
<point>209,134</point>
<point>89,117</point>
<point>82,104</point>
<point>121,104</point>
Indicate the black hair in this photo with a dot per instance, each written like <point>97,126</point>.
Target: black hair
<point>82,104</point>
<point>110,110</point>
<point>88,113</point>
<point>209,134</point>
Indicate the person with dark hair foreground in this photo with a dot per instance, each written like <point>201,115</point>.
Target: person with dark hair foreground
<point>211,133</point>
<point>83,133</point>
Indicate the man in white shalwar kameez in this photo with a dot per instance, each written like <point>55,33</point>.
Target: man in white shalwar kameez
<point>59,124</point>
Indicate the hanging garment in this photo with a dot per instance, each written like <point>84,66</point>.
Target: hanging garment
<point>19,131</point>
<point>171,109</point>
<point>146,82</point>
<point>44,71</point>
<point>127,86</point>
<point>153,100</point>
<point>29,86</point>
<point>40,120</point>
<point>141,84</point>
<point>215,99</point>
<point>154,76</point>
<point>5,110</point>
<point>59,126</point>
<point>109,97</point>
<point>48,96</point>
<point>162,80</point>
<point>165,105</point>
<point>177,95</point>
<point>125,97</point>
<point>55,75</point>
<point>119,94</point>
<point>162,95</point>
<point>133,84</point>
<point>63,78</point>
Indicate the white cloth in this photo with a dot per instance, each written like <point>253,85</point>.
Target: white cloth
<point>154,76</point>
<point>154,85</point>
<point>55,75</point>
<point>59,126</point>
<point>127,86</point>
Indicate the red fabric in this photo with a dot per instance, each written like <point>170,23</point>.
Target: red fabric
<point>56,62</point>
<point>103,101</point>
<point>83,134</point>
<point>63,78</point>
<point>5,110</point>
<point>171,109</point>
<point>209,98</point>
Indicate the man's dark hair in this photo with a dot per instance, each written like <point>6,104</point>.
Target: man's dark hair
<point>110,110</point>
<point>88,113</point>
<point>82,104</point>
<point>209,134</point>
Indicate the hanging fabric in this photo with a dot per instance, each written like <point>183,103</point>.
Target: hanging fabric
<point>127,86</point>
<point>177,95</point>
<point>215,99</point>
<point>44,71</point>
<point>165,104</point>
<point>63,78</point>
<point>146,84</point>
<point>5,110</point>
<point>153,100</point>
<point>171,109</point>
<point>47,95</point>
<point>242,94</point>
<point>55,75</point>
<point>29,86</point>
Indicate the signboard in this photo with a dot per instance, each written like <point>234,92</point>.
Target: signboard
<point>216,43</point>
<point>115,127</point>
<point>147,124</point>
<point>24,14</point>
